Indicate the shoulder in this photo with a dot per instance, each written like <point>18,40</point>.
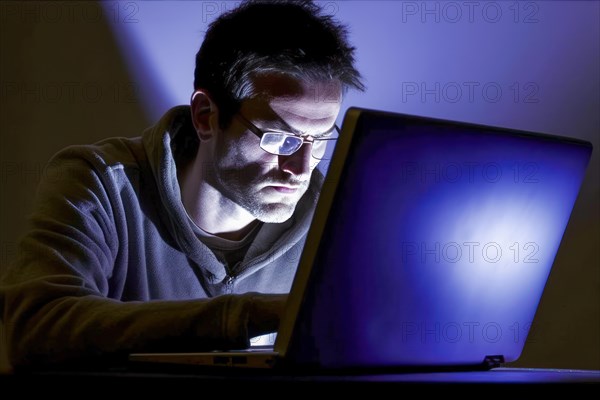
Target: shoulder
<point>103,156</point>
<point>81,171</point>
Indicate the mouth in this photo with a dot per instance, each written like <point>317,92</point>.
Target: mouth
<point>284,189</point>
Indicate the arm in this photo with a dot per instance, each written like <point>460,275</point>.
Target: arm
<point>54,299</point>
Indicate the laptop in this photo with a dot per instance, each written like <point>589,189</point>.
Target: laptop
<point>430,247</point>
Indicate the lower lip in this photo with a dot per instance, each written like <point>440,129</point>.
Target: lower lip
<point>284,190</point>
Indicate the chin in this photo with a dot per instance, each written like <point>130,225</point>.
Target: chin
<point>274,213</point>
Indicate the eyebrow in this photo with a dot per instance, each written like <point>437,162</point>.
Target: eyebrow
<point>282,126</point>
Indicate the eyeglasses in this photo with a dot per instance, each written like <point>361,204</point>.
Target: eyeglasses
<point>286,144</point>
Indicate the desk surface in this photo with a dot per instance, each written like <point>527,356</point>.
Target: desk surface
<point>244,381</point>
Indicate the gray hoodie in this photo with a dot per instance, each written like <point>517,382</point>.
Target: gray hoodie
<point>111,264</point>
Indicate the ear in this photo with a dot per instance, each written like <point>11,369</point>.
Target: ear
<point>205,115</point>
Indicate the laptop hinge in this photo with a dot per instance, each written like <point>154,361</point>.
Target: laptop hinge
<point>493,361</point>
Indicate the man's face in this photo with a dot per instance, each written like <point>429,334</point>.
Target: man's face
<point>269,186</point>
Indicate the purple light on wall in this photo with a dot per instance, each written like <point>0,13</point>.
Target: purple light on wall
<point>530,65</point>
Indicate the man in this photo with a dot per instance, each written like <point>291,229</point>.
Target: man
<point>188,237</point>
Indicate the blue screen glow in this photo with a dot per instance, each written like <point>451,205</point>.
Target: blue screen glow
<point>439,245</point>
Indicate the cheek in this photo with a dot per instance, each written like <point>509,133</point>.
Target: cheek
<point>243,152</point>
<point>232,150</point>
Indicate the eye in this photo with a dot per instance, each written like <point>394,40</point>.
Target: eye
<point>273,139</point>
<point>290,141</point>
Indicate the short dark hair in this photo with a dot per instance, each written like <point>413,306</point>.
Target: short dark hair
<point>287,37</point>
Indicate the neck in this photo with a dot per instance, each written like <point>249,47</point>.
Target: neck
<point>208,208</point>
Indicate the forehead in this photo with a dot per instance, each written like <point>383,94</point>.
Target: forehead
<point>303,104</point>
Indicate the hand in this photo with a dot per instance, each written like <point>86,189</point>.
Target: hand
<point>265,313</point>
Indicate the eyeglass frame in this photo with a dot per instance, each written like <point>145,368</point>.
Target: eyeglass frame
<point>260,133</point>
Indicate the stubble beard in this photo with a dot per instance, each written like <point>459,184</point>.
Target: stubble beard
<point>249,194</point>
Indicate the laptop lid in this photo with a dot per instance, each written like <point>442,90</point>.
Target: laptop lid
<point>431,243</point>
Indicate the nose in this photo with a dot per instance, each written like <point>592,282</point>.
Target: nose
<point>299,163</point>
